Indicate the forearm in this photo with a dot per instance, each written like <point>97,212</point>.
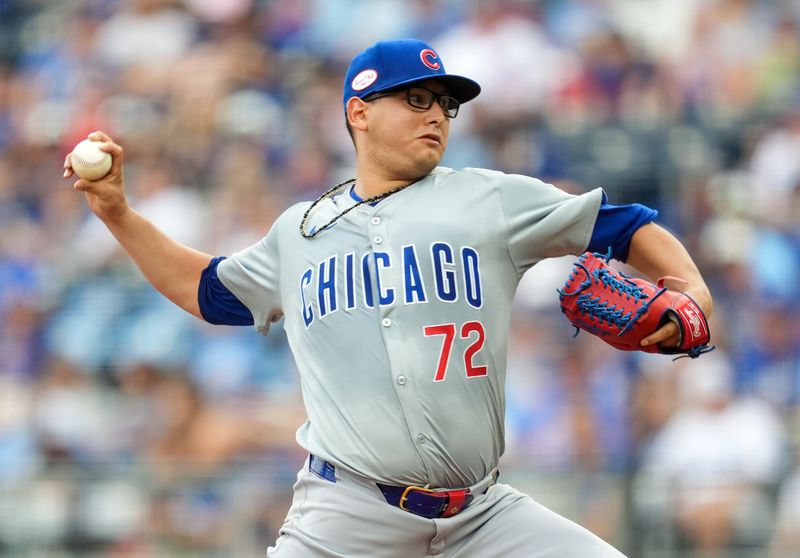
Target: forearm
<point>172,268</point>
<point>657,253</point>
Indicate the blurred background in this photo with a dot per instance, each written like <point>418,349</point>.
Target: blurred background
<point>128,428</point>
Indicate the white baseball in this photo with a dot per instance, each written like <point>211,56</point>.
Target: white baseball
<point>88,161</point>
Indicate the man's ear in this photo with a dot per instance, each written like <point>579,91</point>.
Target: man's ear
<point>357,113</point>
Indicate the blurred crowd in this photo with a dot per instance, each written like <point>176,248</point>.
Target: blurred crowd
<point>128,428</point>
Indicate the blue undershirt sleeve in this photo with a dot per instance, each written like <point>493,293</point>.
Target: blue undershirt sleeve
<point>218,305</point>
<point>615,226</point>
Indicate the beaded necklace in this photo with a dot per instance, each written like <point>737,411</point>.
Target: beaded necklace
<point>330,191</point>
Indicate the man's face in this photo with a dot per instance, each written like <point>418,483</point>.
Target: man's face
<point>406,141</point>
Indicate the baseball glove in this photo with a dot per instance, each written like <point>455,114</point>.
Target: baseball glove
<point>622,310</point>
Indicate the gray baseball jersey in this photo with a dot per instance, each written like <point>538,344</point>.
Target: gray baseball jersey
<point>398,316</point>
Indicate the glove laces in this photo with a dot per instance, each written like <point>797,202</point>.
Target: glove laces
<point>695,352</point>
<point>600,310</point>
<point>626,286</point>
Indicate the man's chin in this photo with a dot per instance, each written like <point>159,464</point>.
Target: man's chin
<point>427,164</point>
<point>419,167</point>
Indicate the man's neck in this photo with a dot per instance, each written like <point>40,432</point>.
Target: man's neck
<point>369,185</point>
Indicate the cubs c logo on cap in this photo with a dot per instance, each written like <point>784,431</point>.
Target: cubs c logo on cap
<point>364,79</point>
<point>429,58</point>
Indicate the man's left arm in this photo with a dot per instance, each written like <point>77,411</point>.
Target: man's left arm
<point>656,253</point>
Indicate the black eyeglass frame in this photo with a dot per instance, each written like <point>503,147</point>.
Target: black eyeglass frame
<point>447,102</point>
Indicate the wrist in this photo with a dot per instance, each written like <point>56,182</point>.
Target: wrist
<point>118,217</point>
<point>702,297</point>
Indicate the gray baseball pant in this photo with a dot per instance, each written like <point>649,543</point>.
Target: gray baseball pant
<point>351,518</point>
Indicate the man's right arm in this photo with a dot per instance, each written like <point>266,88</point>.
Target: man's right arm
<point>172,268</point>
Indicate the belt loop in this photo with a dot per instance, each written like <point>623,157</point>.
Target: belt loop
<point>322,468</point>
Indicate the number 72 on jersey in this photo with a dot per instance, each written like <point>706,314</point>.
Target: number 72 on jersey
<point>467,331</point>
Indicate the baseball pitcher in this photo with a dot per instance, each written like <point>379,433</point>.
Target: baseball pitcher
<point>396,290</point>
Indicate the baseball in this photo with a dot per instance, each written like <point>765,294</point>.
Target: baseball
<point>88,161</point>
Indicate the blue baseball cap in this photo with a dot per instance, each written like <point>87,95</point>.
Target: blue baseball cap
<point>390,65</point>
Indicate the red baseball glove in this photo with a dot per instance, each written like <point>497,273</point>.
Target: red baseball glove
<point>622,310</point>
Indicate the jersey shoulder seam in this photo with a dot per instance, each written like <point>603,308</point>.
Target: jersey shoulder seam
<point>494,189</point>
<point>299,206</point>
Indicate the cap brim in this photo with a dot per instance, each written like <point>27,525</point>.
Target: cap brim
<point>463,89</point>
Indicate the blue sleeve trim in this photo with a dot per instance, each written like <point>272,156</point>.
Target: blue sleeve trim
<point>615,226</point>
<point>218,305</point>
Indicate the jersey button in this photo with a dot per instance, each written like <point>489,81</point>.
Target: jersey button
<point>377,240</point>
<point>386,322</point>
<point>401,380</point>
<point>421,438</point>
<point>375,221</point>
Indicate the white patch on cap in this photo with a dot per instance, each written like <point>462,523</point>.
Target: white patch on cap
<point>364,79</point>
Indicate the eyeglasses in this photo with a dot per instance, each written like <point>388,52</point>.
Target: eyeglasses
<point>421,98</point>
